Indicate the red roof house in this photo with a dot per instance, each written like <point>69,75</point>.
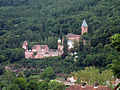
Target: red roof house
<point>87,87</point>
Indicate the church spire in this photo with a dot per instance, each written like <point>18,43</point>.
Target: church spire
<point>84,23</point>
<point>84,27</point>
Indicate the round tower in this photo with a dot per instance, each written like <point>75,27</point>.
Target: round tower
<point>59,41</point>
<point>60,46</point>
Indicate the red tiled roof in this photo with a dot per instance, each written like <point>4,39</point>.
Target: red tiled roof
<point>44,46</point>
<point>41,46</point>
<point>35,46</point>
<point>72,36</point>
<point>52,50</point>
<point>88,87</point>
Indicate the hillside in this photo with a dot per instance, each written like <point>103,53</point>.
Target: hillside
<point>44,21</point>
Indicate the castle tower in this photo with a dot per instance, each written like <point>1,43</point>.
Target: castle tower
<point>59,41</point>
<point>60,46</point>
<point>84,27</point>
<point>25,45</point>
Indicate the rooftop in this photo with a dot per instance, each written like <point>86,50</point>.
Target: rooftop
<point>87,87</point>
<point>84,23</point>
<point>72,36</point>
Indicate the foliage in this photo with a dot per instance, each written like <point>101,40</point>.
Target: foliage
<point>3,84</point>
<point>65,48</point>
<point>92,75</point>
<point>20,75</point>
<point>8,77</point>
<point>43,85</point>
<point>27,73</point>
<point>115,41</point>
<point>33,85</point>
<point>54,85</point>
<point>1,69</point>
<point>13,87</point>
<point>16,55</point>
<point>21,82</point>
<point>42,22</point>
<point>48,73</point>
<point>115,65</point>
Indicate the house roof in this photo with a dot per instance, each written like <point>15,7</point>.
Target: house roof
<point>84,23</point>
<point>41,46</point>
<point>71,77</point>
<point>88,87</point>
<point>72,36</point>
<point>44,46</point>
<point>35,46</point>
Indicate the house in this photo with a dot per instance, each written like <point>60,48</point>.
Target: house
<point>41,51</point>
<point>88,87</point>
<point>71,79</point>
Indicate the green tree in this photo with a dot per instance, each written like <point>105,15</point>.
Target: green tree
<point>107,75</point>
<point>8,77</point>
<point>3,84</point>
<point>13,87</point>
<point>2,58</point>
<point>54,85</point>
<point>33,85</point>
<point>16,54</point>
<point>4,88</point>
<point>2,68</point>
<point>115,65</point>
<point>115,41</point>
<point>81,45</point>
<point>21,82</point>
<point>92,75</point>
<point>20,75</point>
<point>27,73</point>
<point>43,85</point>
<point>65,48</point>
<point>48,73</point>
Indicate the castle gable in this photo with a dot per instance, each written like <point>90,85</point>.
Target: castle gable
<point>25,45</point>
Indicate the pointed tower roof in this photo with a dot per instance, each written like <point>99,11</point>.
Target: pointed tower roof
<point>84,23</point>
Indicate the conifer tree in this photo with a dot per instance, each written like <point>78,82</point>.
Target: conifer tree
<point>65,48</point>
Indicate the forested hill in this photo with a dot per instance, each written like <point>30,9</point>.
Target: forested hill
<point>43,21</point>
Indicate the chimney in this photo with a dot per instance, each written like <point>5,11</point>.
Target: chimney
<point>84,84</point>
<point>96,85</point>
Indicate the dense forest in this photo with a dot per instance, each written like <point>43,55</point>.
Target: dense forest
<point>44,21</point>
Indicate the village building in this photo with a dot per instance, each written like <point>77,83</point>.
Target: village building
<point>72,79</point>
<point>88,87</point>
<point>84,86</point>
<point>72,38</point>
<point>41,51</point>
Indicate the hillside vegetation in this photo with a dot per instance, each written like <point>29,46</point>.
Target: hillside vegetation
<point>44,21</point>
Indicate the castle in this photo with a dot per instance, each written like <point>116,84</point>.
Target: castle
<point>41,51</point>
